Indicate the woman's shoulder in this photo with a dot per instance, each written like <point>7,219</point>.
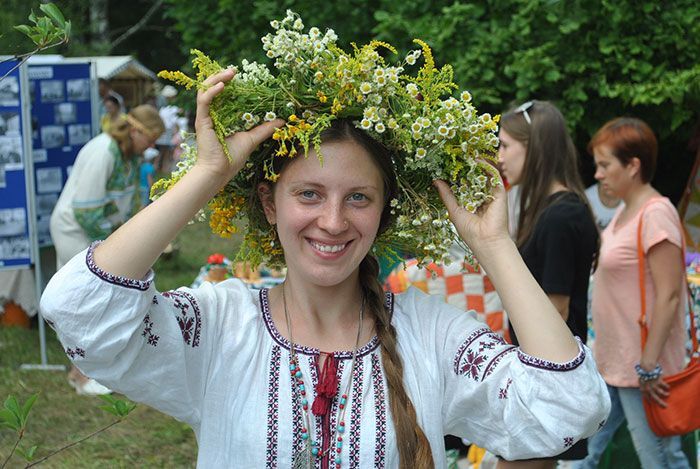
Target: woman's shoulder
<point>230,300</point>
<point>658,205</point>
<point>659,215</point>
<point>567,207</point>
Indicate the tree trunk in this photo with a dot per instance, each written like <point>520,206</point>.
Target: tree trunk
<point>99,21</point>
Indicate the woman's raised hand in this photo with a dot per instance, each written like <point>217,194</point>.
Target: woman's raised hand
<point>489,223</point>
<point>210,154</point>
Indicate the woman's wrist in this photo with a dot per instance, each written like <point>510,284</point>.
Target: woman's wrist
<point>646,375</point>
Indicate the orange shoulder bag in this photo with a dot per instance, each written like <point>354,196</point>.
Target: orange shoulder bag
<point>682,412</point>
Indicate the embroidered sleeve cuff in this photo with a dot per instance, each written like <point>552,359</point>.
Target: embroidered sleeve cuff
<point>142,285</point>
<point>552,366</point>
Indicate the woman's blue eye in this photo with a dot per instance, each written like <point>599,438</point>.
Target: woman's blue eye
<point>358,197</point>
<point>308,194</point>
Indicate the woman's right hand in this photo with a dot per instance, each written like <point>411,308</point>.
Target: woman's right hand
<point>210,154</point>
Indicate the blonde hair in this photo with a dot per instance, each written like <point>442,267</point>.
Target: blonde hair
<point>145,118</point>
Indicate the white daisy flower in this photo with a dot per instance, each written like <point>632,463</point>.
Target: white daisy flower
<point>420,153</point>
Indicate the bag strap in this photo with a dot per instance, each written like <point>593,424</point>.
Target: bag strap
<point>642,318</point>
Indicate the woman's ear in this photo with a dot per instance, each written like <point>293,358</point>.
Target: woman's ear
<point>635,165</point>
<point>268,203</point>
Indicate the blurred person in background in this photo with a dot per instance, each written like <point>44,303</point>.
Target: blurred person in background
<point>556,233</point>
<point>625,152</point>
<point>98,195</point>
<point>114,113</point>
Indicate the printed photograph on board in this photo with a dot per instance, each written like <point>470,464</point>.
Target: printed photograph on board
<point>9,92</point>
<point>40,155</point>
<point>13,221</point>
<point>9,123</point>
<point>52,136</point>
<point>11,152</point>
<point>78,89</point>
<point>43,231</point>
<point>16,247</point>
<point>52,91</point>
<point>45,203</point>
<point>48,180</point>
<point>78,134</point>
<point>65,113</point>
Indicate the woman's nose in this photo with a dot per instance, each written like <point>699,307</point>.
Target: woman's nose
<point>598,174</point>
<point>333,219</point>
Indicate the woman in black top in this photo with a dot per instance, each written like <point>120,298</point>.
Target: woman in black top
<point>556,234</point>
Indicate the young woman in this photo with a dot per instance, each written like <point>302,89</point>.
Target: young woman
<point>114,113</point>
<point>324,370</point>
<point>625,152</point>
<point>556,232</point>
<point>98,195</point>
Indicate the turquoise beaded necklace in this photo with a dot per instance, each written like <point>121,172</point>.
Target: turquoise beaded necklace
<point>304,458</point>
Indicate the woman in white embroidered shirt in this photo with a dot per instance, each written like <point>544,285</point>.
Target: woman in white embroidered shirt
<point>265,378</point>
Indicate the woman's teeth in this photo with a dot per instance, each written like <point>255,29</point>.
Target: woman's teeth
<point>328,248</point>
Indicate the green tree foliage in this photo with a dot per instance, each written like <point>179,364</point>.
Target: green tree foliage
<point>596,59</point>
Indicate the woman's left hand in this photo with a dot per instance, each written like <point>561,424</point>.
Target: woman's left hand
<point>655,390</point>
<point>490,222</point>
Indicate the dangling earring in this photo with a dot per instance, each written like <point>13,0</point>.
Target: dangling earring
<point>274,237</point>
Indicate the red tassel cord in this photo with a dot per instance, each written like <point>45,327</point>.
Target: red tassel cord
<point>327,386</point>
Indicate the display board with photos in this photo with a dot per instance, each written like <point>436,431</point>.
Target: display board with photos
<point>62,122</point>
<point>15,224</point>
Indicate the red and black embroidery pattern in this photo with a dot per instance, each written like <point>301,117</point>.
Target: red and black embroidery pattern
<point>273,385</point>
<point>356,415</point>
<point>380,411</point>
<point>151,338</point>
<point>479,354</point>
<point>503,392</point>
<point>547,365</point>
<point>77,352</point>
<point>113,279</point>
<point>189,316</point>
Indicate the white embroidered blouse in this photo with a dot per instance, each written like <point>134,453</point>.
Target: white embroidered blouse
<point>213,358</point>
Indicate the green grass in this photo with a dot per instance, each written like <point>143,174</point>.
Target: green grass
<point>146,438</point>
<point>192,247</point>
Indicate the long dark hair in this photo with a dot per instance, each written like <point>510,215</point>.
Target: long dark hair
<point>550,157</point>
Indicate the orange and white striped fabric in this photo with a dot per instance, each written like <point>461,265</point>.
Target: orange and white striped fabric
<point>461,286</point>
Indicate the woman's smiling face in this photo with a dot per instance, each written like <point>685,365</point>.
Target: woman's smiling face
<point>327,216</point>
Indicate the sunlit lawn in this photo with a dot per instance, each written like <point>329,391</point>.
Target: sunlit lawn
<point>146,438</point>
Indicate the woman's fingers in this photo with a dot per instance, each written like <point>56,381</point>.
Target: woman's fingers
<point>264,131</point>
<point>205,96</point>
<point>448,198</point>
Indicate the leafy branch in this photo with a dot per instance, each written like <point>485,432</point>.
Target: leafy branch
<point>47,31</point>
<point>11,416</point>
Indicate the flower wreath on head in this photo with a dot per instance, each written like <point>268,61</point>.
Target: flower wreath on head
<point>431,134</point>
